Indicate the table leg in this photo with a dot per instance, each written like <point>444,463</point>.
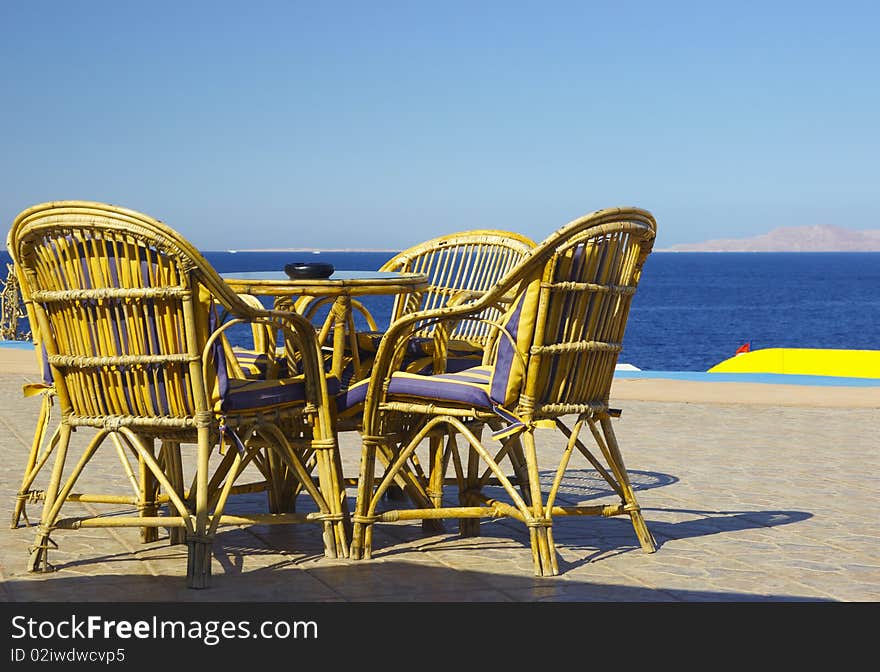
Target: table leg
<point>341,309</point>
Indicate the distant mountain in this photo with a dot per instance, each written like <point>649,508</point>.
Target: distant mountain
<point>818,238</point>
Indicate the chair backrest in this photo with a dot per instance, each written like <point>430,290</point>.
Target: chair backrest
<point>124,307</point>
<point>456,264</point>
<point>563,334</point>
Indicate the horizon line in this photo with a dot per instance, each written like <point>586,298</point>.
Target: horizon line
<point>306,249</point>
<point>318,250</point>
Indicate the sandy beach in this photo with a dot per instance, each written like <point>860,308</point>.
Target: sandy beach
<point>761,394</point>
<point>18,360</point>
<point>754,492</point>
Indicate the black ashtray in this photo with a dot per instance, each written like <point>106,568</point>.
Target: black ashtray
<point>308,271</point>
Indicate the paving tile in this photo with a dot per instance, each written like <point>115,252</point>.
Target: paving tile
<point>747,504</point>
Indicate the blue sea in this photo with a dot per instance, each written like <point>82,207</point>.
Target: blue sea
<point>694,309</point>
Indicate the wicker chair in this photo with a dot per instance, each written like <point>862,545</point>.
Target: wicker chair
<point>553,355</point>
<point>132,319</point>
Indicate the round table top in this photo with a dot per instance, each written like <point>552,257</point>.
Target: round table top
<point>340,282</point>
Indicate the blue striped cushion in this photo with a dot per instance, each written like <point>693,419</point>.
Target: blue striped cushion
<point>418,357</point>
<point>470,387</point>
<point>256,395</point>
<point>509,365</point>
<point>352,397</point>
<point>424,365</point>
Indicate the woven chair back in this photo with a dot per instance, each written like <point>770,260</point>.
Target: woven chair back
<point>456,264</point>
<point>123,305</point>
<point>587,286</point>
<point>575,292</point>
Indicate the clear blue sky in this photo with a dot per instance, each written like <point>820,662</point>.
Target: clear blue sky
<point>379,124</point>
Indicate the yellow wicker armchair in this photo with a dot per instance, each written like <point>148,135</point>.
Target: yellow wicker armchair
<point>553,355</point>
<point>133,318</point>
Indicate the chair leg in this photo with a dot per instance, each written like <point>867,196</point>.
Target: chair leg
<point>170,452</point>
<point>56,497</point>
<point>615,459</point>
<point>276,483</point>
<point>540,533</point>
<point>435,480</point>
<point>362,527</point>
<point>198,562</point>
<point>333,481</point>
<point>35,461</point>
<point>518,462</point>
<point>199,543</point>
<point>148,489</point>
<point>38,561</point>
<point>470,527</point>
<point>199,530</point>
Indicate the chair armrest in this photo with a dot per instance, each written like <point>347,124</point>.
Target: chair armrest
<point>299,337</point>
<point>467,295</point>
<point>444,329</point>
<point>391,348</point>
<point>264,338</point>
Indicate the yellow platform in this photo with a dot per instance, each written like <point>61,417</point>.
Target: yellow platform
<point>804,361</point>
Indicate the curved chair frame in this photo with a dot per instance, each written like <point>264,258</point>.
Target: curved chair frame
<point>132,319</point>
<point>554,353</point>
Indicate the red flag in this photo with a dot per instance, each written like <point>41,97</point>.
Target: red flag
<point>745,347</point>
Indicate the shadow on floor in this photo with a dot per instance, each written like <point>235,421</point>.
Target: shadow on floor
<point>388,581</point>
<point>253,568</point>
<point>586,538</point>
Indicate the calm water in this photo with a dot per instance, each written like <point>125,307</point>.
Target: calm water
<point>694,309</point>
